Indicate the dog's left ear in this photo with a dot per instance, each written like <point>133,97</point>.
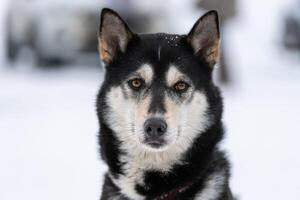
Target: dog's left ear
<point>205,38</point>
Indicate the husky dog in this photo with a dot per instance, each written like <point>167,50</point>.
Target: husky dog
<point>160,113</point>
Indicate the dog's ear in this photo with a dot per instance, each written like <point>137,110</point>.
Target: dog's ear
<point>114,35</point>
<point>205,38</point>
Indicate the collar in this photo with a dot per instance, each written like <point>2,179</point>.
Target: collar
<point>173,193</point>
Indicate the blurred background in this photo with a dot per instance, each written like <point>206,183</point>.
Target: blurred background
<point>50,73</point>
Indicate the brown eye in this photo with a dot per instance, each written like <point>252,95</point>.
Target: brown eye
<point>181,86</point>
<point>136,83</point>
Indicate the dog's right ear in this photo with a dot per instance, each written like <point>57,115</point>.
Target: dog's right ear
<point>114,35</point>
<point>205,38</point>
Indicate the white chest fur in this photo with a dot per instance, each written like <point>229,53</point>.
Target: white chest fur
<point>140,161</point>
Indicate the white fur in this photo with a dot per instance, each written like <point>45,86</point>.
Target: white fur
<point>119,197</point>
<point>187,120</point>
<point>146,72</point>
<point>213,187</point>
<point>173,75</point>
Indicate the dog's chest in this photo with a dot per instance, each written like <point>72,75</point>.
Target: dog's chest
<point>133,176</point>
<point>135,168</point>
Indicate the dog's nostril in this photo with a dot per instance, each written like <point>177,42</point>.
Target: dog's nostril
<point>149,129</point>
<point>155,127</point>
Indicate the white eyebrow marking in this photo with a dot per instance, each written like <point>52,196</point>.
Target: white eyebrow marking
<point>146,72</point>
<point>159,53</point>
<point>173,75</point>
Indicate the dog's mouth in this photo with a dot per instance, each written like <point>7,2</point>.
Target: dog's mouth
<point>155,143</point>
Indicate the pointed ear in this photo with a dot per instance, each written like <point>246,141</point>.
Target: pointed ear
<point>205,38</point>
<point>114,35</point>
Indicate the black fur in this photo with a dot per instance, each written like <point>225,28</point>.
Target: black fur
<point>203,158</point>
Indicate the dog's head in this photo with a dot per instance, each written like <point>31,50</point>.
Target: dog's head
<point>158,88</point>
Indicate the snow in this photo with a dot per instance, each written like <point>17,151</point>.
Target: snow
<point>48,144</point>
<point>48,124</point>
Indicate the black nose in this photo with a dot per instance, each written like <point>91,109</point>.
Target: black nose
<point>155,127</point>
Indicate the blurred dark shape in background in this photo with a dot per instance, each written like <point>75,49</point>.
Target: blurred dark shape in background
<point>56,32</point>
<point>138,21</point>
<point>226,10</point>
<point>61,32</point>
<point>291,36</point>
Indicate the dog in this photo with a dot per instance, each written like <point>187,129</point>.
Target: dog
<point>160,114</point>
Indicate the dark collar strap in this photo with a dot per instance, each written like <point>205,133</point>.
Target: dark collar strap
<point>173,193</point>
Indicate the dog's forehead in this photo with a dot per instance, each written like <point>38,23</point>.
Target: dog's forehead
<point>159,52</point>
<point>160,47</point>
<point>163,39</point>
<point>169,40</point>
<point>163,57</point>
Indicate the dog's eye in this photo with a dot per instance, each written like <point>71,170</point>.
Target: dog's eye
<point>181,86</point>
<point>136,83</point>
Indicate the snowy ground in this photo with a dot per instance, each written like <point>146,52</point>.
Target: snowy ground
<point>48,125</point>
<point>48,145</point>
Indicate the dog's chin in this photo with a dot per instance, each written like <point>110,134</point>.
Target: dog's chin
<point>155,146</point>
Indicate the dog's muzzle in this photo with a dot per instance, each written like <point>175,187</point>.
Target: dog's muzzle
<point>155,129</point>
